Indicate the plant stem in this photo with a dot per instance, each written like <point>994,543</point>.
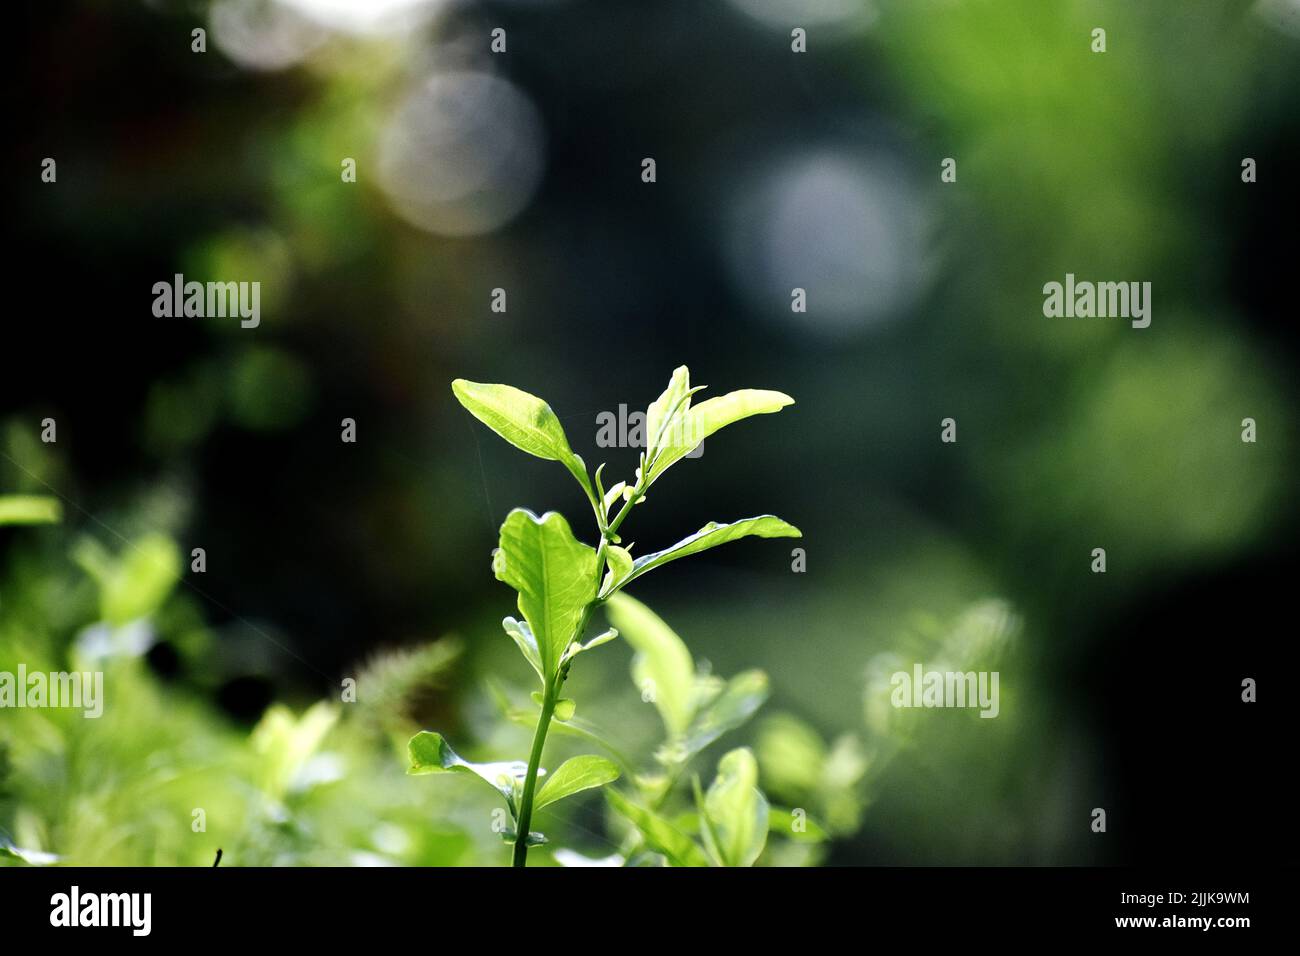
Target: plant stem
<point>525,820</point>
<point>551,694</point>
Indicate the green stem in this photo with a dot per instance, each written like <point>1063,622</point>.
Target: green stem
<point>551,693</point>
<point>524,823</point>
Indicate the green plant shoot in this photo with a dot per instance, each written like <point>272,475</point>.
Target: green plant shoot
<point>561,581</point>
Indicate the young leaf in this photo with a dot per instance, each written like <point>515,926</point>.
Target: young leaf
<point>668,403</point>
<point>523,637</point>
<point>620,564</point>
<point>742,696</point>
<point>525,421</point>
<point>555,575</point>
<point>429,753</point>
<point>29,509</point>
<point>575,775</point>
<point>735,811</point>
<point>659,834</point>
<point>575,648</point>
<point>702,420</point>
<point>614,494</point>
<point>667,413</point>
<point>661,659</point>
<point>710,536</point>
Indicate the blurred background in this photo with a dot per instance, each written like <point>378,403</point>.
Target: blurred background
<point>522,170</point>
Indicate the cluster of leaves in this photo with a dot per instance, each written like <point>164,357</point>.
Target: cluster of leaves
<point>123,789</point>
<point>728,824</point>
<point>560,582</point>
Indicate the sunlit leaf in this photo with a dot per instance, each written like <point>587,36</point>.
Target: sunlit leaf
<point>555,575</point>
<point>575,775</point>
<point>669,403</point>
<point>522,635</point>
<point>710,536</point>
<point>736,811</point>
<point>658,833</point>
<point>619,562</point>
<point>742,696</point>
<point>430,753</point>
<point>661,659</point>
<point>525,421</point>
<point>702,420</point>
<point>666,415</point>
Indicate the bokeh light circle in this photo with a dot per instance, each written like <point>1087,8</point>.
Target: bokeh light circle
<point>462,154</point>
<point>848,228</point>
